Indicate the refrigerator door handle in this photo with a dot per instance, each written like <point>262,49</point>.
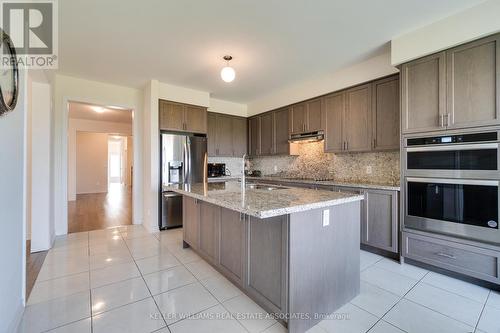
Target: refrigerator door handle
<point>187,160</point>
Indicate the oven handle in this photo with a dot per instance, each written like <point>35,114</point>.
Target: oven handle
<point>454,147</point>
<point>453,181</point>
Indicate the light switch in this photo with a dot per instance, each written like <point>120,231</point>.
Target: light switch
<point>326,217</point>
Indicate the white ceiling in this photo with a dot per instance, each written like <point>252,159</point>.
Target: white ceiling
<point>274,43</point>
<point>87,111</point>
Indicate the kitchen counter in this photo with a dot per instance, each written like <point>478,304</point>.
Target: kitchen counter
<point>262,203</point>
<point>294,251</point>
<point>223,178</point>
<point>377,186</point>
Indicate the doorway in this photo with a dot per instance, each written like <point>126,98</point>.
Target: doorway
<point>100,164</point>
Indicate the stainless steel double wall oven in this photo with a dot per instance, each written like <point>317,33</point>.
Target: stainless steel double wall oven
<point>451,184</point>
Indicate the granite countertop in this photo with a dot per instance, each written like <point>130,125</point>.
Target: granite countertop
<point>376,186</point>
<point>263,203</point>
<point>222,178</point>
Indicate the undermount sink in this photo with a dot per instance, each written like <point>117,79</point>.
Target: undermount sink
<point>264,187</point>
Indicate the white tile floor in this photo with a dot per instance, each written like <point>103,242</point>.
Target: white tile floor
<point>122,279</point>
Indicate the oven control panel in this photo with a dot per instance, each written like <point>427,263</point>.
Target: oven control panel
<point>450,139</point>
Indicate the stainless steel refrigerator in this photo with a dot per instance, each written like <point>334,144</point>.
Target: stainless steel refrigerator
<point>183,159</point>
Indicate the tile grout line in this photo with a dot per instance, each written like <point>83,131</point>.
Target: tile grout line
<point>400,298</point>
<point>90,287</point>
<point>152,297</point>
<point>482,310</point>
<point>220,303</point>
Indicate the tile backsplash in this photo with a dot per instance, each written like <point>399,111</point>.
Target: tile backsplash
<point>233,164</point>
<point>312,162</point>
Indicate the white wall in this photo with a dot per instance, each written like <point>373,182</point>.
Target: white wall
<point>85,125</point>
<point>467,25</point>
<point>370,69</point>
<point>13,143</point>
<point>67,89</point>
<point>182,95</point>
<point>91,162</point>
<point>221,106</point>
<point>42,225</point>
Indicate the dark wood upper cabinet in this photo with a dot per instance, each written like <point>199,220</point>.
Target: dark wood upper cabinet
<point>224,136</point>
<point>239,136</point>
<point>472,80</point>
<point>266,134</point>
<point>211,134</point>
<point>227,135</point>
<point>307,116</point>
<point>454,89</point>
<point>423,89</point>
<point>171,116</point>
<point>182,117</point>
<point>333,119</point>
<point>270,132</point>
<point>195,119</point>
<point>357,124</point>
<point>299,117</point>
<point>281,131</point>
<point>254,136</point>
<point>385,113</point>
<point>314,115</point>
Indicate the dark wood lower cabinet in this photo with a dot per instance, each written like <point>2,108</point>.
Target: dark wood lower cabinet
<point>232,244</point>
<point>289,264</point>
<point>267,261</point>
<point>209,230</point>
<point>191,221</point>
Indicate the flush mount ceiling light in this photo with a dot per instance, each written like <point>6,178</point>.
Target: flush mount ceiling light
<point>98,109</point>
<point>227,73</point>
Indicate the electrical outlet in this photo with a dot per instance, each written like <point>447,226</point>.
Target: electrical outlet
<point>275,168</point>
<point>326,217</point>
<point>369,169</point>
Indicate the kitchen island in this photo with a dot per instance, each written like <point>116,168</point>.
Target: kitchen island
<point>294,251</point>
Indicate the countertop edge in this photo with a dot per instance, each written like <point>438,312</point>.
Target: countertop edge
<point>329,183</point>
<point>273,212</point>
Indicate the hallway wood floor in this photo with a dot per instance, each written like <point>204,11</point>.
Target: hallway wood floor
<point>34,262</point>
<point>100,210</point>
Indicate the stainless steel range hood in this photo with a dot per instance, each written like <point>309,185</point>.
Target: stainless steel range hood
<point>307,137</point>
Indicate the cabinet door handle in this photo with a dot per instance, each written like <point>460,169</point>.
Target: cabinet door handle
<point>347,145</point>
<point>446,255</point>
<point>441,120</point>
<point>448,119</point>
<point>374,143</point>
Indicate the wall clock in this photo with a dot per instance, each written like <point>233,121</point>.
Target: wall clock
<point>9,75</point>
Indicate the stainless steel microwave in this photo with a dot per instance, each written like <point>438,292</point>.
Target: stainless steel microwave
<point>474,156</point>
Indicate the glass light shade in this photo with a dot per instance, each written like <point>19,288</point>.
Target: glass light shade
<point>227,74</point>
